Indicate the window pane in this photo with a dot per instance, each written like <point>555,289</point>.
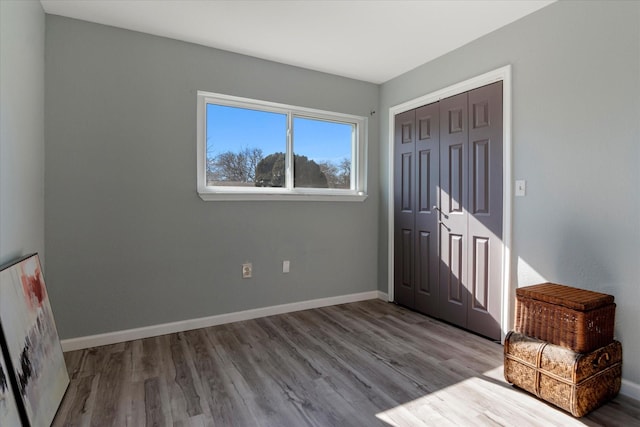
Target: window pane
<point>322,153</point>
<point>245,147</point>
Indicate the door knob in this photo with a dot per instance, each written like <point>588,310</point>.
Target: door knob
<point>444,225</point>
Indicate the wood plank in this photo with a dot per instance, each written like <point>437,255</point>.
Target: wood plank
<point>154,416</point>
<point>224,404</point>
<point>184,377</point>
<point>107,408</point>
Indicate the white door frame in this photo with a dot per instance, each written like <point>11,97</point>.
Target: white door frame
<point>501,74</point>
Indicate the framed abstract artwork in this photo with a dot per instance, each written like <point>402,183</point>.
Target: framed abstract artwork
<point>9,415</point>
<point>33,354</point>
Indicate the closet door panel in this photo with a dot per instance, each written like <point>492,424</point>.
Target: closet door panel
<point>426,217</point>
<point>454,190</point>
<point>485,214</point>
<point>404,209</point>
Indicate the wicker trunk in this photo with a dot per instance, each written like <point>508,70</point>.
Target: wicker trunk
<point>577,319</point>
<point>575,382</point>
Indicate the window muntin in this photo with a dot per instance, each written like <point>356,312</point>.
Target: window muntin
<point>255,150</point>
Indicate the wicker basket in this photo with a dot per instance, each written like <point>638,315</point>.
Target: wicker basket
<point>575,382</point>
<point>574,318</point>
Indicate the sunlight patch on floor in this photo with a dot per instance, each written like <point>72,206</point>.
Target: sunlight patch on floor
<point>485,400</point>
<point>437,408</point>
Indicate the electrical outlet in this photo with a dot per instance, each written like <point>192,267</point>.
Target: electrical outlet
<point>247,270</point>
<point>285,266</point>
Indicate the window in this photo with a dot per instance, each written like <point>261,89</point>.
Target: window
<point>256,150</point>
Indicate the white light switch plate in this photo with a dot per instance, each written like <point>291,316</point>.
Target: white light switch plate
<point>521,188</point>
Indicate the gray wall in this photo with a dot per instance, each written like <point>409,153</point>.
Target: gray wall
<point>576,140</point>
<point>22,29</point>
<point>129,241</point>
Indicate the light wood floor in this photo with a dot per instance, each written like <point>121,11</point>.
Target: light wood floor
<point>363,364</point>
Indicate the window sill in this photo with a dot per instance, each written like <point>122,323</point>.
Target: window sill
<point>212,196</point>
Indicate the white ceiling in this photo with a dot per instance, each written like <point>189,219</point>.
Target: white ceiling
<point>371,40</point>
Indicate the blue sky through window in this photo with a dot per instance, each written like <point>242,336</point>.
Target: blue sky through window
<point>233,129</point>
<point>322,141</point>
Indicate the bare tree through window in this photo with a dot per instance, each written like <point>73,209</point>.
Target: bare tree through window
<point>237,168</point>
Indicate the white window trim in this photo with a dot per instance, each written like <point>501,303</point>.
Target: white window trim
<point>359,155</point>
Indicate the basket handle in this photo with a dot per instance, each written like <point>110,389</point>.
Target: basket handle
<point>597,361</point>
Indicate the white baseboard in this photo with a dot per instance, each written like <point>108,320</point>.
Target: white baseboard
<point>383,296</point>
<point>630,389</point>
<point>204,322</point>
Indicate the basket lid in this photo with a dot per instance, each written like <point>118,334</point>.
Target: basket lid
<point>566,296</point>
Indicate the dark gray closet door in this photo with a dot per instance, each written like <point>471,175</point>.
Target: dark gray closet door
<point>448,209</point>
